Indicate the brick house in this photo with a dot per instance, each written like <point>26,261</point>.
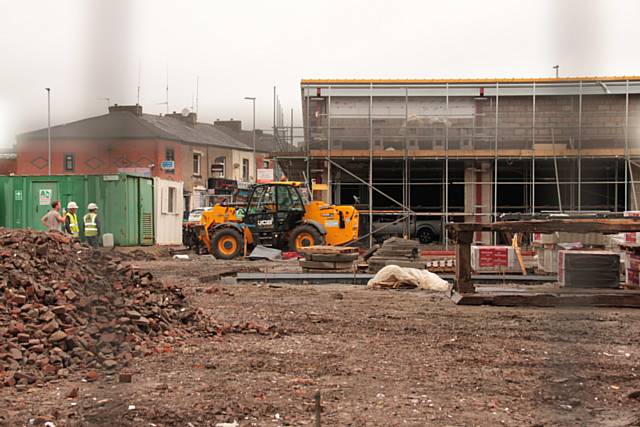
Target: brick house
<point>8,161</point>
<point>128,141</point>
<point>264,142</point>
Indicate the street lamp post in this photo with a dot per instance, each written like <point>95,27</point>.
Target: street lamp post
<point>253,132</point>
<point>48,89</point>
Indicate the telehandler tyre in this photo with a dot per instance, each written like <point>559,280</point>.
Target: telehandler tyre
<point>227,243</point>
<point>303,236</point>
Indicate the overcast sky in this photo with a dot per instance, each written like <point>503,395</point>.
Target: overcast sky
<point>90,49</point>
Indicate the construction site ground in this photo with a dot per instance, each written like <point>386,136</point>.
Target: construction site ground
<point>377,357</point>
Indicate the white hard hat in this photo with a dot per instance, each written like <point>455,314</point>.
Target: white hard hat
<point>72,205</point>
<point>92,206</point>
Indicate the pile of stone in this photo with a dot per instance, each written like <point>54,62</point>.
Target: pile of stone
<point>65,308</point>
<point>397,251</point>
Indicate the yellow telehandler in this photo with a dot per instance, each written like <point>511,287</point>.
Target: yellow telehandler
<point>277,214</point>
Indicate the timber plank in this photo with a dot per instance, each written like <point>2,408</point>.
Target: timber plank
<point>552,299</point>
<point>329,250</point>
<point>341,257</point>
<point>324,265</point>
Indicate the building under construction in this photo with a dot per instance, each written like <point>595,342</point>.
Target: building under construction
<point>469,150</point>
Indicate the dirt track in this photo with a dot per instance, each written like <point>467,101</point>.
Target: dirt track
<point>379,358</point>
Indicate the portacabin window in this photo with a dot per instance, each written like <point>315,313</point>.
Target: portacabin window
<point>171,208</point>
<point>69,161</point>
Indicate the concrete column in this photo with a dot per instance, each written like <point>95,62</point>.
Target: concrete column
<point>478,196</point>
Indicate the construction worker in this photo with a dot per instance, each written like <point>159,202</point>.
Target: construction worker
<point>71,225</point>
<point>52,220</point>
<point>92,225</point>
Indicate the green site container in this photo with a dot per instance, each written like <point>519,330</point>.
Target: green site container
<point>125,202</point>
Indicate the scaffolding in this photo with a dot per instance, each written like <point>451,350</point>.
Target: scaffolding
<point>467,149</point>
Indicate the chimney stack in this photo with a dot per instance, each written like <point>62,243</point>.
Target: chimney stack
<point>234,125</point>
<point>135,109</point>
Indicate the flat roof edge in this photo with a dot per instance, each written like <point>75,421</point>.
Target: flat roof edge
<point>478,80</point>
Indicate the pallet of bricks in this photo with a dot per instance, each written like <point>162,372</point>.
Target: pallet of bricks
<point>629,244</point>
<point>494,259</point>
<point>440,263</point>
<point>397,251</point>
<point>328,259</point>
<point>548,245</point>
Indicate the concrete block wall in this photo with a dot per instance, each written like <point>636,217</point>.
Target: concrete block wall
<point>603,121</point>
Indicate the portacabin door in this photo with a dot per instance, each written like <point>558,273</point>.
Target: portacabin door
<point>43,193</point>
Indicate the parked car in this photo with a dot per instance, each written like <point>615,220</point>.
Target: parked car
<point>425,230</point>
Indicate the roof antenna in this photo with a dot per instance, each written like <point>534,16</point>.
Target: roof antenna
<point>139,68</point>
<point>197,87</point>
<point>166,102</point>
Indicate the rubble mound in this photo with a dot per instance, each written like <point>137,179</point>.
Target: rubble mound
<point>65,307</point>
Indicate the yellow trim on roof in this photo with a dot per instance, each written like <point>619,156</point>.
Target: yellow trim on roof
<point>496,80</point>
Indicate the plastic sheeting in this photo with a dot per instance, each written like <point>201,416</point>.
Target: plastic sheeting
<point>395,277</point>
<point>262,252</point>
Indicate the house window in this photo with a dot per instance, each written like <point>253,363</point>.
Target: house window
<point>265,164</point>
<point>197,157</point>
<point>170,156</point>
<point>245,169</point>
<point>69,162</point>
<point>218,166</point>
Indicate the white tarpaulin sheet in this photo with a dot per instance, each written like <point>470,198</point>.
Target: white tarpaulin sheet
<point>395,277</point>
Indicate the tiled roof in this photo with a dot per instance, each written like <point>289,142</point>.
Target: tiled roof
<point>127,125</point>
<point>265,143</point>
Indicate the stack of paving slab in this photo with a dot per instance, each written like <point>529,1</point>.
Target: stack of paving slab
<point>328,259</point>
<point>397,251</point>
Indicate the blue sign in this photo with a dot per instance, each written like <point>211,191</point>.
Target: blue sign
<point>168,165</point>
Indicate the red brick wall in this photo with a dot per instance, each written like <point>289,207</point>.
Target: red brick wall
<point>178,153</point>
<point>7,166</point>
<point>261,158</point>
<point>96,156</point>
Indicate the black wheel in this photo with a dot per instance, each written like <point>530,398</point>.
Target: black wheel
<point>303,236</point>
<point>227,243</point>
<point>426,235</point>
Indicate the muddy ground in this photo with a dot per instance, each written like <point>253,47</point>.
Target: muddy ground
<point>378,358</point>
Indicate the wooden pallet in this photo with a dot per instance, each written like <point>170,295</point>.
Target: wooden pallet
<point>346,257</point>
<point>376,264</point>
<point>397,253</point>
<point>320,270</point>
<point>398,241</point>
<point>326,265</point>
<point>329,250</point>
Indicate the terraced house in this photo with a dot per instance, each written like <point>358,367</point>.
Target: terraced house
<point>126,140</point>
